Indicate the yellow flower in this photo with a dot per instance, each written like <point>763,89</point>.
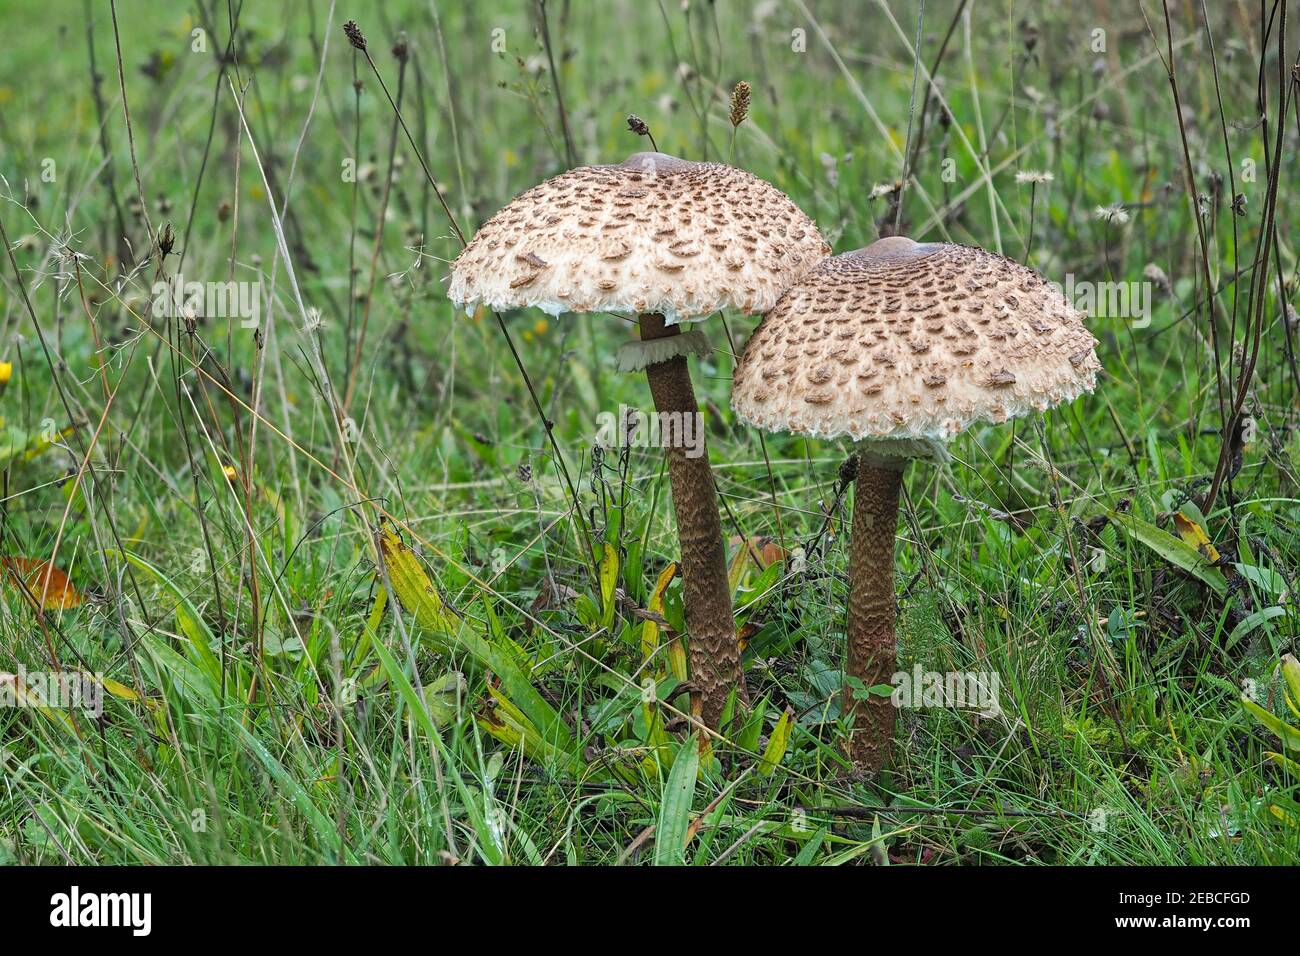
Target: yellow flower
<point>540,327</point>
<point>230,473</point>
<point>6,372</point>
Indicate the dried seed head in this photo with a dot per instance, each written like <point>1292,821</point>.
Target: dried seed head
<point>1114,213</point>
<point>354,34</point>
<point>400,48</point>
<point>1157,275</point>
<point>740,103</point>
<point>637,125</point>
<point>166,240</point>
<point>848,471</point>
<point>1029,35</point>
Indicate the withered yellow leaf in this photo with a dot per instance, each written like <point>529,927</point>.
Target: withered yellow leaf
<point>42,584</point>
<point>1195,535</point>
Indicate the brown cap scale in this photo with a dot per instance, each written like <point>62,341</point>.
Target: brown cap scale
<point>912,341</point>
<point>670,240</point>
<point>651,234</point>
<point>902,346</point>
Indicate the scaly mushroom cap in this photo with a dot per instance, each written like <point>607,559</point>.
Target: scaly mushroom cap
<point>651,234</point>
<point>912,342</point>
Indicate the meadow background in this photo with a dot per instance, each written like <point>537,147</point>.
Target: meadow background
<point>326,565</point>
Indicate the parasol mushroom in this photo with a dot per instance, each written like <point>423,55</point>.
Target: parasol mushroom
<point>671,241</point>
<point>901,346</point>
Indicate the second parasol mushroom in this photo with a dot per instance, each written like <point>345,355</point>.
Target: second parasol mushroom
<point>901,346</point>
<point>669,240</point>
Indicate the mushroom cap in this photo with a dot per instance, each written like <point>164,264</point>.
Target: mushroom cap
<point>651,234</point>
<point>912,343</point>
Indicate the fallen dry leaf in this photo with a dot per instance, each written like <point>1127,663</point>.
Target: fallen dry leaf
<point>1194,534</point>
<point>41,583</point>
<point>764,550</point>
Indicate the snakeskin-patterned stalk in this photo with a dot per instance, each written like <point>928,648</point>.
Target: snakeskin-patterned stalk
<point>871,648</point>
<point>715,652</point>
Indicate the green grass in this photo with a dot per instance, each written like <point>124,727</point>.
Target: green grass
<point>272,714</point>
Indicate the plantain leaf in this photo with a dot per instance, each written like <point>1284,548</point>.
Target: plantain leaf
<point>675,806</point>
<point>608,582</point>
<point>777,744</point>
<point>1290,736</point>
<point>747,738</point>
<point>1194,535</point>
<point>1251,622</point>
<point>199,637</point>
<point>1174,550</point>
<point>650,629</point>
<point>412,586</point>
<point>506,660</point>
<point>1291,673</point>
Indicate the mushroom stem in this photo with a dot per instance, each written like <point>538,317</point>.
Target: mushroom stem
<point>715,652</point>
<point>871,644</point>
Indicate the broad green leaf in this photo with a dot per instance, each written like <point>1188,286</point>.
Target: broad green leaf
<point>188,676</point>
<point>777,744</point>
<point>1289,735</point>
<point>200,639</point>
<point>1285,762</point>
<point>1174,550</point>
<point>371,629</point>
<point>1266,579</point>
<point>1291,674</point>
<point>747,738</point>
<point>506,660</point>
<point>1251,622</point>
<point>508,724</point>
<point>443,695</point>
<point>412,586</point>
<point>650,629</point>
<point>608,583</point>
<point>675,805</point>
